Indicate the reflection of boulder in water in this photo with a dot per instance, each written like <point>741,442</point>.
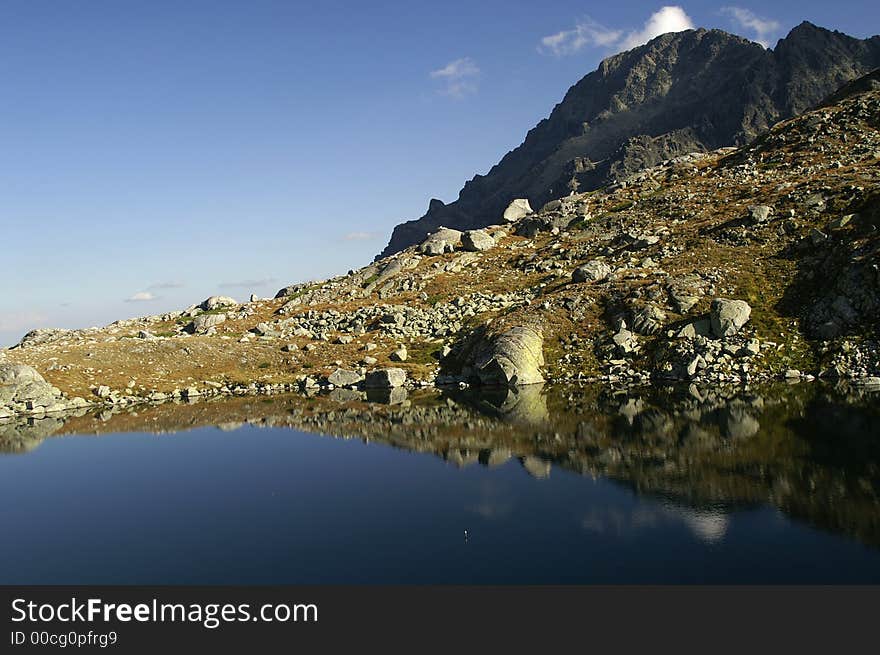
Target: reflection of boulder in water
<point>654,423</point>
<point>709,526</point>
<point>391,396</point>
<point>342,395</point>
<point>631,408</point>
<point>230,426</point>
<point>462,457</point>
<point>537,467</point>
<point>495,457</point>
<point>525,404</point>
<point>737,423</point>
<point>23,435</point>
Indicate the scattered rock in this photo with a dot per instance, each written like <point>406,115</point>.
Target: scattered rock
<point>593,271</point>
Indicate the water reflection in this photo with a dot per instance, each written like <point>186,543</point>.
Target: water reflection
<point>811,451</point>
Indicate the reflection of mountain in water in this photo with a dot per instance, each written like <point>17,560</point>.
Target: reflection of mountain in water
<point>809,450</point>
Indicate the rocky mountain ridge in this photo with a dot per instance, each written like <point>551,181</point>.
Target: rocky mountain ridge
<point>696,90</point>
<point>727,267</point>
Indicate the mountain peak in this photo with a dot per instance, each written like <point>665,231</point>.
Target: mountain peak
<point>681,92</point>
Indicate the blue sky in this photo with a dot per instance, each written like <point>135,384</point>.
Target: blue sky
<point>154,153</point>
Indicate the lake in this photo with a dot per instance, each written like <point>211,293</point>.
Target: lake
<point>571,484</point>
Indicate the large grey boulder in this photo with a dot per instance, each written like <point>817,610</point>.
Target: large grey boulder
<point>205,321</point>
<point>517,209</point>
<point>385,378</point>
<point>593,271</point>
<point>343,378</point>
<point>477,240</point>
<point>23,389</point>
<point>442,241</point>
<point>728,316</point>
<point>512,358</point>
<point>215,302</point>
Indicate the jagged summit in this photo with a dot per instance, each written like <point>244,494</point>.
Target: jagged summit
<point>687,91</point>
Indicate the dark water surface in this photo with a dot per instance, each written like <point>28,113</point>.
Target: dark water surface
<point>571,485</point>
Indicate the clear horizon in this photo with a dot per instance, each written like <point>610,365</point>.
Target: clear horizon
<point>156,155</point>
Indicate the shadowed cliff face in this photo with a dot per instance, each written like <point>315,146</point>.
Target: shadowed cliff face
<point>682,92</point>
<point>808,450</point>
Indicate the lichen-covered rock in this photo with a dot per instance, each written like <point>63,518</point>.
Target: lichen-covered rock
<point>728,316</point>
<point>514,357</point>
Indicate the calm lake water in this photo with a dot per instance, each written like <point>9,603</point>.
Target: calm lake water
<point>570,485</point>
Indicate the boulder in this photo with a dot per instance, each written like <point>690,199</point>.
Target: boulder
<point>700,327</point>
<point>593,271</point>
<point>205,321</point>
<point>517,210</point>
<point>760,213</point>
<point>343,378</point>
<point>399,355</point>
<point>442,241</point>
<point>512,358</point>
<point>215,302</point>
<point>385,378</point>
<point>648,320</point>
<point>728,316</point>
<point>477,240</point>
<point>22,388</point>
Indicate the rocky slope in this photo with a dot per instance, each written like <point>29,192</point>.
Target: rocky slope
<point>688,91</point>
<point>730,266</point>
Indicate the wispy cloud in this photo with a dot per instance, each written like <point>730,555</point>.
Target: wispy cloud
<point>17,321</point>
<point>586,32</point>
<point>142,296</point>
<point>360,236</point>
<point>167,285</point>
<point>248,284</point>
<point>459,77</point>
<point>589,33</point>
<point>761,28</point>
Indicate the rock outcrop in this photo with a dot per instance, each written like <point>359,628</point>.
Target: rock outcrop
<point>512,358</point>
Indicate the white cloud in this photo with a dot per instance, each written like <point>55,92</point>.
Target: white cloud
<point>360,236</point>
<point>17,321</point>
<point>249,284</point>
<point>667,19</point>
<point>588,32</point>
<point>762,28</point>
<point>459,77</point>
<point>167,285</point>
<point>142,296</point>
